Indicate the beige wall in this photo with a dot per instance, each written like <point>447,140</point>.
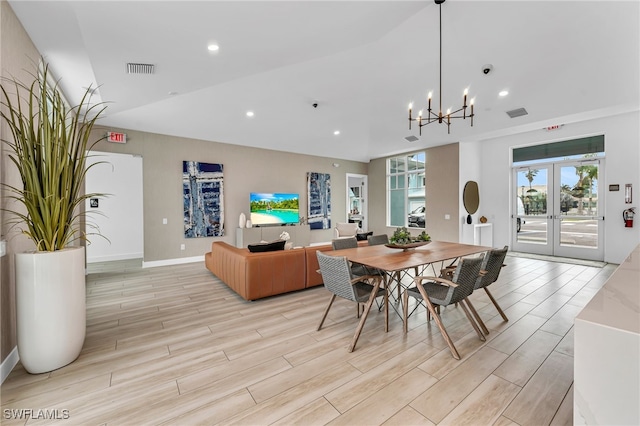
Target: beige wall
<point>442,193</point>
<point>246,170</point>
<point>17,56</point>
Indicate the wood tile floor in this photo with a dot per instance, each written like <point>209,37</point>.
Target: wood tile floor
<point>174,346</point>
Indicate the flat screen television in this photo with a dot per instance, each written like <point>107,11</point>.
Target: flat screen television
<point>274,209</point>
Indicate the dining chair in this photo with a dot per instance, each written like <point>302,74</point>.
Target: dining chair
<point>347,243</point>
<point>374,240</point>
<point>436,291</point>
<point>338,279</point>
<point>492,264</point>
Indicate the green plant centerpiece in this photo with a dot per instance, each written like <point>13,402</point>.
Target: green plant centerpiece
<point>48,142</point>
<point>402,238</point>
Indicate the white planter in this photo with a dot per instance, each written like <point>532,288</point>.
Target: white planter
<point>51,308</point>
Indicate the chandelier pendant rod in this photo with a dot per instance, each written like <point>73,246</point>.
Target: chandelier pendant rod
<point>440,94</point>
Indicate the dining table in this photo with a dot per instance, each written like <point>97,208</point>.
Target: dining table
<point>395,260</point>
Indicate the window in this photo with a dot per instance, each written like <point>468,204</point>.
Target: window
<point>406,204</point>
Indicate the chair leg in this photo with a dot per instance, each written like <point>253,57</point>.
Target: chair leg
<point>436,317</point>
<point>472,308</point>
<point>470,318</point>
<point>372,297</point>
<point>504,317</point>
<point>326,311</point>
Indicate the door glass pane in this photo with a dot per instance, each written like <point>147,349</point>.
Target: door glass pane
<point>531,222</point>
<point>579,205</point>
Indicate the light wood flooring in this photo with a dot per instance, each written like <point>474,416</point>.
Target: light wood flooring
<point>174,346</point>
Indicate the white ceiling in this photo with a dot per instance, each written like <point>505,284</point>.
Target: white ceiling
<point>361,61</point>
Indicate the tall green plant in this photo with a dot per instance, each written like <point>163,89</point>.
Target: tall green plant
<point>49,146</point>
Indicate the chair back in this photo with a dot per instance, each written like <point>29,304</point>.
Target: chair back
<point>465,276</point>
<point>336,275</point>
<point>492,263</point>
<point>344,243</point>
<point>375,240</point>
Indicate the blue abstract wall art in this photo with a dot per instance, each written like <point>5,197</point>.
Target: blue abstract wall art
<point>203,199</point>
<point>319,203</point>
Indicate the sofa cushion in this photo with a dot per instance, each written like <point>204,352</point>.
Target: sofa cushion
<point>262,247</point>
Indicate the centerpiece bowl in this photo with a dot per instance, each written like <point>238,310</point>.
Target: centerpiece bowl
<point>407,246</point>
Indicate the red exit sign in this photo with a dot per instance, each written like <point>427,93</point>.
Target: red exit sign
<point>116,137</point>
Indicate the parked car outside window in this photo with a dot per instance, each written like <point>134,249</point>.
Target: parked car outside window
<point>416,218</point>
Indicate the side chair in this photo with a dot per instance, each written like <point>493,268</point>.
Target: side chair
<point>347,243</point>
<point>489,271</point>
<point>442,292</point>
<point>375,240</point>
<point>338,279</point>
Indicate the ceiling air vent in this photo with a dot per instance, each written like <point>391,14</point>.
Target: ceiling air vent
<point>411,138</point>
<point>140,68</point>
<point>518,112</point>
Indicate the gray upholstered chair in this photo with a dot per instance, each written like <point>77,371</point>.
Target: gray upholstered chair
<point>443,292</point>
<point>347,243</point>
<point>375,240</point>
<point>489,271</point>
<point>337,278</point>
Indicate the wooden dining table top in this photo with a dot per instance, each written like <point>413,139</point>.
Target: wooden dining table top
<point>393,259</point>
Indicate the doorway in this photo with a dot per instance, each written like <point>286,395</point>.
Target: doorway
<point>356,202</point>
<point>557,209</point>
<point>119,215</point>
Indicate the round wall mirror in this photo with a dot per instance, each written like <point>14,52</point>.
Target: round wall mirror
<point>471,197</point>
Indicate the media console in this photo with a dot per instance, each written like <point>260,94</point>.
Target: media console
<point>300,234</point>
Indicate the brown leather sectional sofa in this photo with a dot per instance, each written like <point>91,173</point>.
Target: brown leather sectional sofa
<point>257,275</point>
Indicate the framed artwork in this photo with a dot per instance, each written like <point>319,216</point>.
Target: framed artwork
<point>203,199</point>
<point>319,202</point>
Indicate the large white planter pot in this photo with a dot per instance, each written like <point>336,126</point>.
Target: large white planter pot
<point>51,308</point>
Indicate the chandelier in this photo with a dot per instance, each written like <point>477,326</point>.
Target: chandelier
<point>440,117</point>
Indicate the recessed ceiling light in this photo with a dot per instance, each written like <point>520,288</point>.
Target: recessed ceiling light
<point>503,93</point>
<point>213,47</point>
<point>249,113</point>
<point>337,132</point>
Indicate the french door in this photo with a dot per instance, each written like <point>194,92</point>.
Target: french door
<point>557,210</point>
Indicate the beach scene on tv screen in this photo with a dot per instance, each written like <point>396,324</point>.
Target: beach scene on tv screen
<point>274,208</point>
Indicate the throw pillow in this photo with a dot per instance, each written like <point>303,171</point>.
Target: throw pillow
<point>363,236</point>
<point>262,247</point>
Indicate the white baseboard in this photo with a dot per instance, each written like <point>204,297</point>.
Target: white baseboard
<point>9,362</point>
<point>110,258</point>
<point>168,262</point>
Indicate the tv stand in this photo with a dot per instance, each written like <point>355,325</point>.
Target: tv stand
<point>300,234</point>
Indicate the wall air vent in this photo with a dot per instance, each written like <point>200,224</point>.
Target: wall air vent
<point>411,138</point>
<point>518,112</point>
<point>140,68</point>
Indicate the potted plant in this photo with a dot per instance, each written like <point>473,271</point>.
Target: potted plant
<point>48,144</point>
